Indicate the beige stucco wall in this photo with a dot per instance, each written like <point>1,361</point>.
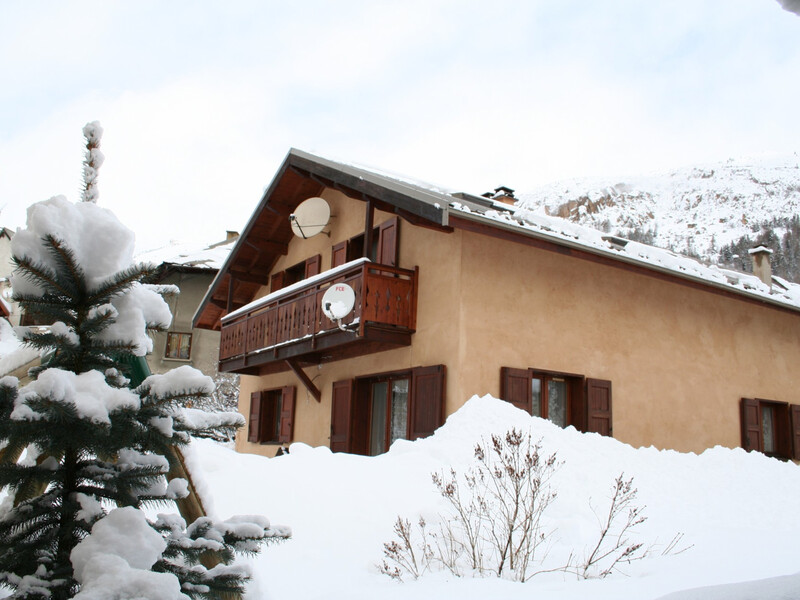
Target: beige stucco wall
<point>434,342</point>
<point>205,343</point>
<point>678,358</point>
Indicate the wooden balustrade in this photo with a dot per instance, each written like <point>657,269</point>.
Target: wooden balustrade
<point>386,297</point>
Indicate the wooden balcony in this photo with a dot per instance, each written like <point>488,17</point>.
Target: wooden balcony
<point>290,327</point>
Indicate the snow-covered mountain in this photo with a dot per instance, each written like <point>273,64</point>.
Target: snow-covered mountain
<point>695,210</point>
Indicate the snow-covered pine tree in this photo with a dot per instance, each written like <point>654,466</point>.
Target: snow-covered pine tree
<point>90,442</point>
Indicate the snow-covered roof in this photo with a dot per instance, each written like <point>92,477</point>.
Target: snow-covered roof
<point>189,254</point>
<point>538,224</point>
<point>435,205</point>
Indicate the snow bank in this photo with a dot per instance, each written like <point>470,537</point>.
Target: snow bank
<point>735,510</point>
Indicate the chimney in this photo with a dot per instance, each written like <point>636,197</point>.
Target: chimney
<point>502,194</point>
<point>761,264</point>
<point>231,235</point>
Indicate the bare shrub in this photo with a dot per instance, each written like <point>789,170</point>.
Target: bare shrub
<point>495,520</point>
<point>614,545</point>
<point>494,523</point>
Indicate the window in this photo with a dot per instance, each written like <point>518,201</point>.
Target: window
<point>295,273</point>
<point>369,413</point>
<point>272,416</point>
<point>383,250</point>
<point>771,427</point>
<point>179,346</point>
<point>389,412</point>
<point>563,398</point>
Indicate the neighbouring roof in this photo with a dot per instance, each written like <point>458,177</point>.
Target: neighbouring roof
<point>189,255</point>
<point>302,175</point>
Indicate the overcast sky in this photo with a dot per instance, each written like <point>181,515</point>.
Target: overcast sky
<point>200,101</point>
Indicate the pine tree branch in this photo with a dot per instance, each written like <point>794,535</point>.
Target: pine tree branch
<point>66,264</point>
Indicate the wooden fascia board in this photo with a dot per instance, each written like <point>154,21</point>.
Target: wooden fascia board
<point>243,238</point>
<point>363,182</point>
<point>479,224</point>
<point>414,204</point>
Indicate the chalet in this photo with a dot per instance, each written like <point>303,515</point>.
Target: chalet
<point>459,294</point>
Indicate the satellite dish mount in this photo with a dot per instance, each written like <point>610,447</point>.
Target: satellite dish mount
<point>310,218</point>
<point>338,302</point>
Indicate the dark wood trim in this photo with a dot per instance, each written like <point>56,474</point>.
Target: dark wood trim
<point>281,247</point>
<point>504,234</point>
<point>369,217</point>
<point>252,274</point>
<point>363,186</point>
<point>301,375</point>
<point>330,347</point>
<point>229,302</point>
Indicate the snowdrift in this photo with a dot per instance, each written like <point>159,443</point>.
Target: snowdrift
<point>736,511</point>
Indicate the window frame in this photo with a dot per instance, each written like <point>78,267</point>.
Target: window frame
<point>271,416</point>
<point>295,273</point>
<point>588,402</point>
<point>351,407</point>
<point>389,379</point>
<point>785,422</point>
<point>384,250</point>
<point>180,335</point>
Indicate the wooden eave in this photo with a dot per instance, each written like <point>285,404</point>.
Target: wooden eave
<point>267,234</point>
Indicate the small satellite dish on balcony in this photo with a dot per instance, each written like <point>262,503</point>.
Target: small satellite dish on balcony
<point>337,301</point>
<point>310,217</point>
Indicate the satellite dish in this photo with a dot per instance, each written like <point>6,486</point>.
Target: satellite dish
<point>338,301</point>
<point>310,217</point>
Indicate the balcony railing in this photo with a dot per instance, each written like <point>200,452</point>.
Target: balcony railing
<point>291,325</point>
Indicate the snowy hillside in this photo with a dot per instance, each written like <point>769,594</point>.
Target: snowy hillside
<point>736,512</point>
<point>698,209</point>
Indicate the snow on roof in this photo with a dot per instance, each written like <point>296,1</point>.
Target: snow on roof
<point>13,353</point>
<point>189,254</point>
<point>564,231</point>
<point>537,223</point>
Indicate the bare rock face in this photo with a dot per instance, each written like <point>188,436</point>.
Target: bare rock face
<point>698,209</point>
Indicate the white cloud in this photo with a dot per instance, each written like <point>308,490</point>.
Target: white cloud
<point>201,102</point>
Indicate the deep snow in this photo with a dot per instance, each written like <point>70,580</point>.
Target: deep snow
<point>737,513</point>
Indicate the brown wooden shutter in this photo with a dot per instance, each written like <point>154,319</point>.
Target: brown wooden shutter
<point>341,413</point>
<point>287,414</point>
<point>254,431</point>
<point>515,387</point>
<point>426,404</point>
<point>277,280</point>
<point>387,242</point>
<point>339,254</point>
<point>598,406</point>
<point>751,425</point>
<point>313,266</point>
<point>794,420</point>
